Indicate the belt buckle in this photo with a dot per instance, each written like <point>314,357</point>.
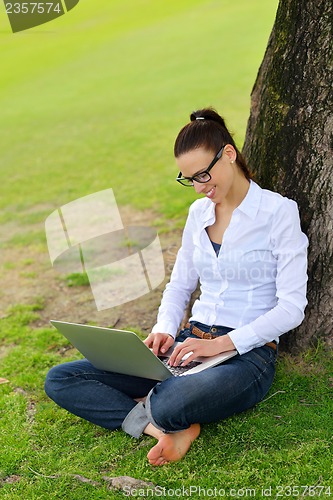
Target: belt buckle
<point>207,336</point>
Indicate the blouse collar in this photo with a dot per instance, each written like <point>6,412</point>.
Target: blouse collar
<point>249,206</point>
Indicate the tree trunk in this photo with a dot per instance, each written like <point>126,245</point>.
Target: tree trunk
<point>289,141</point>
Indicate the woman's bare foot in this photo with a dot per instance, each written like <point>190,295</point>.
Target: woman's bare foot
<point>171,447</point>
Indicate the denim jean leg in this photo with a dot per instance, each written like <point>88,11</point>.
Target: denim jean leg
<point>213,394</point>
<point>103,398</point>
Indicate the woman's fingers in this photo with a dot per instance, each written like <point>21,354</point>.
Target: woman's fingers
<point>159,342</point>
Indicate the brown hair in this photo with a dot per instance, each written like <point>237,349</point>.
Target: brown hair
<point>207,129</point>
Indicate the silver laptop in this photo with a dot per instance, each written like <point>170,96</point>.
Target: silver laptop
<point>123,351</point>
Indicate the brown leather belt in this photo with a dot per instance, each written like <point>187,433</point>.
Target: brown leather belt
<point>209,336</point>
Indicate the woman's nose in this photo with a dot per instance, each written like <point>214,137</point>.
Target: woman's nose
<point>198,186</point>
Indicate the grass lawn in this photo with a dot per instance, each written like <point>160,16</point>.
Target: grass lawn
<point>94,100</point>
<point>286,441</point>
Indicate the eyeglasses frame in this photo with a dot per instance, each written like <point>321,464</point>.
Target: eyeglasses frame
<point>208,169</point>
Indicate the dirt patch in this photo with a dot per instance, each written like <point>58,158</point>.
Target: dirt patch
<point>10,480</point>
<point>27,276</point>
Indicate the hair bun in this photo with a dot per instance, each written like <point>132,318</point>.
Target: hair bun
<point>200,115</point>
<point>195,116</point>
<point>207,114</point>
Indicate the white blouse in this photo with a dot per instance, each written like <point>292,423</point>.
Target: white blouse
<point>257,283</point>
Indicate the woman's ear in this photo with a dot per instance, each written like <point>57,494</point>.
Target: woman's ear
<point>230,151</point>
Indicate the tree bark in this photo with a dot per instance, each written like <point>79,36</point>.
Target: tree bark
<point>289,141</point>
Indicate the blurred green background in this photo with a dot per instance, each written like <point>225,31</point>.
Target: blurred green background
<point>95,98</point>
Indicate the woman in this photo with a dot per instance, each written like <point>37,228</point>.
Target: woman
<point>245,247</point>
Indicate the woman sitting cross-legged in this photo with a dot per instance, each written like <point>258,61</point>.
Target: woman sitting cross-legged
<point>245,247</point>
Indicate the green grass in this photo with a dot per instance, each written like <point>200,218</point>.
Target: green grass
<point>285,441</point>
<point>94,100</point>
<point>77,279</point>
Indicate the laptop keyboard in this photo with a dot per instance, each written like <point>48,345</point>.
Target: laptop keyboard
<point>178,371</point>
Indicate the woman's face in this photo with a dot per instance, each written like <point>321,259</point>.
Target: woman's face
<point>223,174</point>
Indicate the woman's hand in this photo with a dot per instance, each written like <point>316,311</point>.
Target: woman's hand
<point>160,342</point>
<point>199,347</point>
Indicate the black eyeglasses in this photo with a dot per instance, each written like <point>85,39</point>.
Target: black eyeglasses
<point>201,177</point>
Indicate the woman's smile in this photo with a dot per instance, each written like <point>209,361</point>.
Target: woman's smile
<point>210,194</point>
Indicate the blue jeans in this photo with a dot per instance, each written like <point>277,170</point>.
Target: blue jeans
<point>107,398</point>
